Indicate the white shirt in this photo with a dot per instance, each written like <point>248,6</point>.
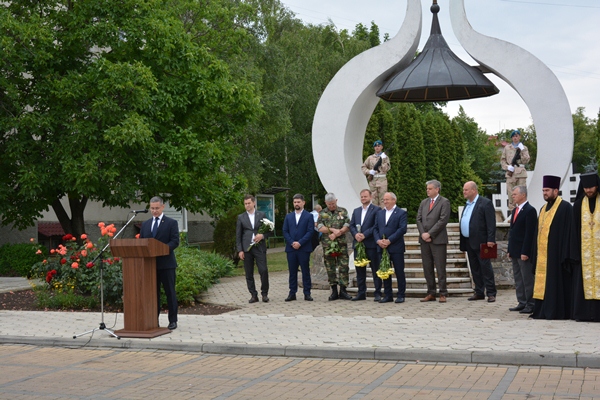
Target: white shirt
<point>388,213</point>
<point>298,214</point>
<point>363,213</point>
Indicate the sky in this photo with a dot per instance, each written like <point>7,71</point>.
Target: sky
<point>563,34</point>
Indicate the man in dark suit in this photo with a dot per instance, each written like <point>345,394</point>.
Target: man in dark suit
<point>246,233</point>
<point>478,226</point>
<point>166,230</point>
<point>391,223</point>
<point>521,240</point>
<point>432,218</point>
<point>298,229</point>
<point>362,226</point>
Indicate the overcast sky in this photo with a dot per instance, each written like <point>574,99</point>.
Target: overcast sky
<point>564,34</point>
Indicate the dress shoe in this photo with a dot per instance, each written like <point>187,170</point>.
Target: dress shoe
<point>265,298</point>
<point>377,297</point>
<point>386,300</point>
<point>359,297</point>
<point>308,297</point>
<point>476,297</point>
<point>172,326</point>
<point>442,298</point>
<point>429,297</point>
<point>253,299</point>
<point>526,310</point>
<point>291,297</point>
<point>517,308</point>
<point>399,300</point>
<point>491,299</point>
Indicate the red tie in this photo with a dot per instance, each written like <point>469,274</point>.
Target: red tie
<point>515,214</point>
<point>431,204</point>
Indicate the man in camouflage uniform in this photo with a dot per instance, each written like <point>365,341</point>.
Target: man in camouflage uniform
<point>334,223</point>
<point>516,175</point>
<point>376,174</point>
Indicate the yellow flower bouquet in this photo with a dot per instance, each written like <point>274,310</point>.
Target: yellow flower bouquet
<point>360,254</point>
<point>385,267</point>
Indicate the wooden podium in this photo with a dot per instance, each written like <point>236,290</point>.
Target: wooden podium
<point>140,305</point>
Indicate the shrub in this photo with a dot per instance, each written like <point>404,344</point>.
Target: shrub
<point>17,259</point>
<point>69,268</point>
<point>197,270</point>
<point>224,234</point>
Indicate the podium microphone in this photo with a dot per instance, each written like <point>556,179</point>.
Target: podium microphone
<point>139,211</point>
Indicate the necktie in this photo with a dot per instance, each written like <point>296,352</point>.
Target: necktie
<point>515,214</point>
<point>431,204</point>
<point>154,227</point>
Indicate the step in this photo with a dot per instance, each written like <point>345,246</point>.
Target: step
<point>410,292</point>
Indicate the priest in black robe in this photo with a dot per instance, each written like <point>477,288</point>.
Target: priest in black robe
<point>586,250</point>
<point>552,290</point>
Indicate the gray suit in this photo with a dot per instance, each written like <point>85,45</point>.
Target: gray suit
<point>258,252</point>
<point>434,222</point>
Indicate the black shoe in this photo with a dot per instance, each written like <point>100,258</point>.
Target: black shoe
<point>517,308</point>
<point>308,297</point>
<point>253,299</point>
<point>343,294</point>
<point>526,310</point>
<point>491,299</point>
<point>291,297</point>
<point>377,297</point>
<point>265,298</point>
<point>359,297</point>
<point>386,300</point>
<point>476,297</point>
<point>334,293</point>
<point>172,326</point>
<point>399,300</point>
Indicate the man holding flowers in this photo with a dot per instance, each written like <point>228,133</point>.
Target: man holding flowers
<point>298,228</point>
<point>389,231</point>
<point>251,247</point>
<point>334,223</point>
<point>362,225</point>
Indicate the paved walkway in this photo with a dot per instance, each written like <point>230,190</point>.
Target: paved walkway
<point>458,331</point>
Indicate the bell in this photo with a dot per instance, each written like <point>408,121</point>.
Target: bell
<point>436,74</point>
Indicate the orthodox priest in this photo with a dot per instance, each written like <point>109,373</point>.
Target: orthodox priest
<point>586,250</point>
<point>552,289</point>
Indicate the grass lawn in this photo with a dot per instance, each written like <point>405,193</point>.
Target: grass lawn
<point>275,261</point>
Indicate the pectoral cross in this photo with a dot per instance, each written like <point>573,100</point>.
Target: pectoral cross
<point>592,223</point>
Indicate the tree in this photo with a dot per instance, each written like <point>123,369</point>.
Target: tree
<point>585,145</point>
<point>114,101</point>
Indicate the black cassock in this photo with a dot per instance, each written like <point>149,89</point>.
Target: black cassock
<point>557,301</point>
<point>583,310</point>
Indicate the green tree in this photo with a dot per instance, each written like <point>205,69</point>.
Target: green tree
<point>585,143</point>
<point>115,101</point>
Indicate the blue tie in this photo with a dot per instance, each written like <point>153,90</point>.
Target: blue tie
<point>154,226</point>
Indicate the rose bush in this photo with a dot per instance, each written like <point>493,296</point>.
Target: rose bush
<point>69,268</point>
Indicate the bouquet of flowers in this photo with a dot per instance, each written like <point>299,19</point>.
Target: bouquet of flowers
<point>385,267</point>
<point>333,250</point>
<point>360,254</point>
<point>267,226</point>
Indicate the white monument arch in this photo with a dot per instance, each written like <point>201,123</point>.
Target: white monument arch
<point>348,102</point>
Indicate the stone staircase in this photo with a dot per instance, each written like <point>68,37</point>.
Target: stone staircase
<point>458,276</point>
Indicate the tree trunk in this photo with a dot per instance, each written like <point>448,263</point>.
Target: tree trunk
<point>76,224</point>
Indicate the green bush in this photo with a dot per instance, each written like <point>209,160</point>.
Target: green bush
<point>224,234</point>
<point>17,259</point>
<point>197,271</point>
<point>64,300</point>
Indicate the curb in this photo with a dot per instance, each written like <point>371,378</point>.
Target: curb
<point>569,360</point>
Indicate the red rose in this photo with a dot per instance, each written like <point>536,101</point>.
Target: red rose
<point>89,265</point>
<point>63,261</point>
<point>67,237</point>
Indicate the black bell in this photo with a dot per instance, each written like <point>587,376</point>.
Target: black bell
<point>436,74</point>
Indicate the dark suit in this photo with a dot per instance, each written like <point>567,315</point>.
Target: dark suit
<point>168,233</point>
<point>258,252</point>
<point>301,232</point>
<point>366,228</point>
<point>482,229</point>
<point>434,222</point>
<point>521,241</point>
<point>394,231</point>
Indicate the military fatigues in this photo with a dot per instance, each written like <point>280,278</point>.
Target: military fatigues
<point>519,177</point>
<point>378,185</point>
<point>335,219</point>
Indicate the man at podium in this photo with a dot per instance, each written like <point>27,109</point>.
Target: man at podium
<point>166,230</point>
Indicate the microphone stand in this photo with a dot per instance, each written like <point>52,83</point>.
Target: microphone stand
<point>102,326</point>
